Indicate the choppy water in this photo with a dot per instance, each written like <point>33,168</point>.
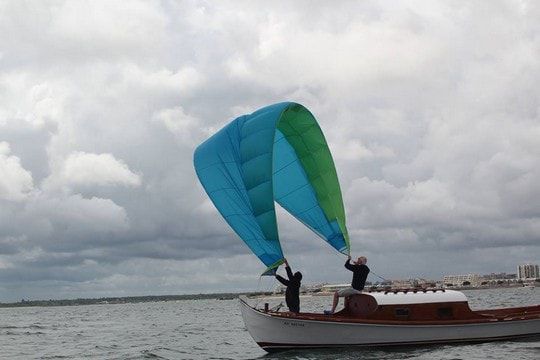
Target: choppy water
<point>209,329</point>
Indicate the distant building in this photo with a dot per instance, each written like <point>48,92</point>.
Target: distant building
<point>410,283</point>
<point>499,279</point>
<point>462,280</point>
<point>499,276</point>
<point>402,284</point>
<point>528,272</point>
<point>424,283</point>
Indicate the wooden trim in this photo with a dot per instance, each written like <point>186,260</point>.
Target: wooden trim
<point>474,317</point>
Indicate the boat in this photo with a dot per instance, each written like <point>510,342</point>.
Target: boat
<point>390,318</point>
<point>278,154</point>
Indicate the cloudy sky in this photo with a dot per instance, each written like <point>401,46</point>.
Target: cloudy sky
<point>431,110</point>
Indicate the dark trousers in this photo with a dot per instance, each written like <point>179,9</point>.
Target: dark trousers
<point>293,305</point>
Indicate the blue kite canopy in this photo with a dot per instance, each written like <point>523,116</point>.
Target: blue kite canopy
<point>278,153</point>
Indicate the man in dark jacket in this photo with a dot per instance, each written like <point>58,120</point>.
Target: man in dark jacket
<point>360,273</point>
<point>292,294</point>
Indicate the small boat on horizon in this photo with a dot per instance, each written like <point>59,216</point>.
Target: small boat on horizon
<point>412,317</point>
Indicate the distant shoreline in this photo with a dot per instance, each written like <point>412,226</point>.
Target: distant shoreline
<point>162,298</point>
<point>129,299</point>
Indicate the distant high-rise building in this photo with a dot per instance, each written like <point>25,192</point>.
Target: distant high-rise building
<point>528,271</point>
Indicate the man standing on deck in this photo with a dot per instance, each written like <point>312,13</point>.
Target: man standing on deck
<point>292,294</point>
<point>360,273</point>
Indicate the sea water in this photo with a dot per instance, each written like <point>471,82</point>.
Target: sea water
<point>211,329</point>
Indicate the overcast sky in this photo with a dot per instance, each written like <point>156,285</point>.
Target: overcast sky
<point>431,110</point>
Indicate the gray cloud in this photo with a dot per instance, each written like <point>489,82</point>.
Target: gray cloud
<point>431,112</point>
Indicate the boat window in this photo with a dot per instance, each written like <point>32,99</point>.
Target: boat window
<point>445,312</point>
<point>402,312</point>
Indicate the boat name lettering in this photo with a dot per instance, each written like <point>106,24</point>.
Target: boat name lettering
<point>291,323</point>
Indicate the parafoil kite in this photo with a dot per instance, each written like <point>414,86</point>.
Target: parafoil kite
<point>276,154</point>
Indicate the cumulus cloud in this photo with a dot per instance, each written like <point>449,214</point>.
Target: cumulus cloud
<point>75,216</point>
<point>184,126</point>
<point>431,111</point>
<point>15,182</point>
<point>82,168</point>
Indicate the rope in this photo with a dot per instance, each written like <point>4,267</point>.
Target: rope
<point>380,277</point>
<point>272,286</point>
<point>258,287</point>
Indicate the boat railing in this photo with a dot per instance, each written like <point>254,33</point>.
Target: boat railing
<point>405,290</point>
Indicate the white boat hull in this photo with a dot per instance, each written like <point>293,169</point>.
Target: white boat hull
<point>277,333</point>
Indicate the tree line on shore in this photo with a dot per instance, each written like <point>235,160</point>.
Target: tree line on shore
<point>127,299</point>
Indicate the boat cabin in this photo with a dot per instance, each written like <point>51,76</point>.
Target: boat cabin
<point>412,305</point>
<point>415,307</point>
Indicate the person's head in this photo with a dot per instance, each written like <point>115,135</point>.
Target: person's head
<point>298,275</point>
<point>362,260</point>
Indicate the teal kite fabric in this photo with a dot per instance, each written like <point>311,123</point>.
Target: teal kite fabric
<point>276,154</point>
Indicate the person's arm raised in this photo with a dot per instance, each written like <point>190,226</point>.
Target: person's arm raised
<point>288,269</point>
<point>282,280</point>
<point>348,265</point>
